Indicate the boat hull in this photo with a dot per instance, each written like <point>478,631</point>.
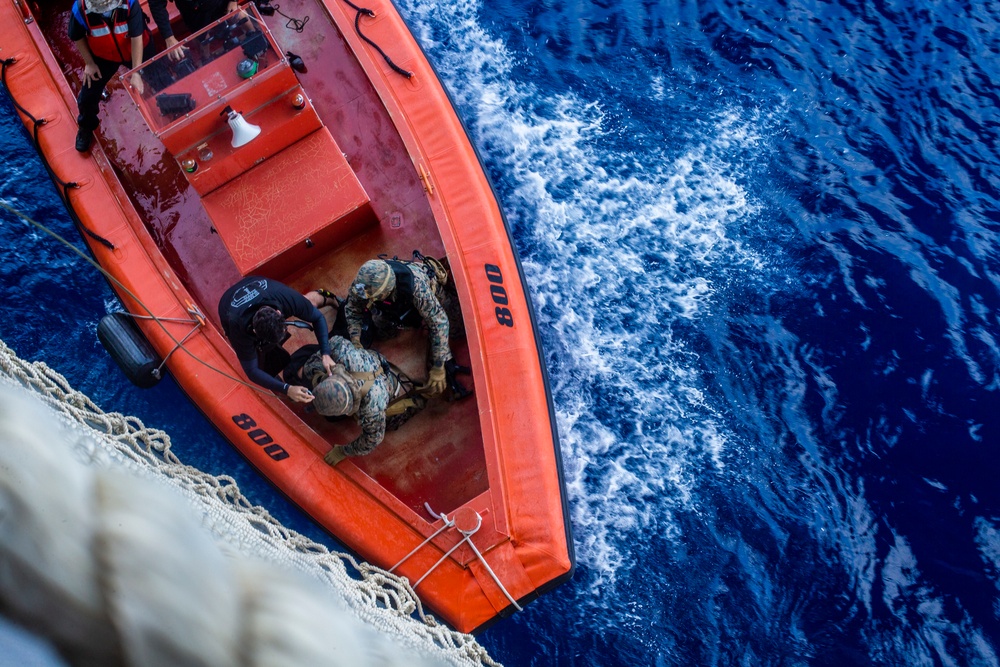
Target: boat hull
<point>489,465</point>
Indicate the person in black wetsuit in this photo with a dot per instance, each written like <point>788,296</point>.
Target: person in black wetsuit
<point>196,14</point>
<point>253,314</point>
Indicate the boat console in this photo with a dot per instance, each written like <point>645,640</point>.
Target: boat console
<point>228,106</point>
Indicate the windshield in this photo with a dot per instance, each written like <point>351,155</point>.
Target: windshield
<point>198,76</point>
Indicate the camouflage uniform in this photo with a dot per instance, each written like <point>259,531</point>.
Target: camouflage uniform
<point>426,300</point>
<point>371,411</point>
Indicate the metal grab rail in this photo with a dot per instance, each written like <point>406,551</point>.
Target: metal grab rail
<point>467,534</point>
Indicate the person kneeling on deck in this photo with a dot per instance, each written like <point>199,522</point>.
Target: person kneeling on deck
<point>392,294</point>
<point>363,384</point>
<point>253,314</point>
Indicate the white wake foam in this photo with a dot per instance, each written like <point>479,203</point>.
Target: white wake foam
<point>620,253</point>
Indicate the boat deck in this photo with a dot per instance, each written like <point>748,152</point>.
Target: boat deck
<point>438,456</point>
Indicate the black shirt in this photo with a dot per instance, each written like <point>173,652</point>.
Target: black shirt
<point>196,14</point>
<point>242,301</point>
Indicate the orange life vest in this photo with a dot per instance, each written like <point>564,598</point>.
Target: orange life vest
<point>110,40</point>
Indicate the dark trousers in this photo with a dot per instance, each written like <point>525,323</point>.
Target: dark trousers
<point>89,99</point>
<point>197,15</point>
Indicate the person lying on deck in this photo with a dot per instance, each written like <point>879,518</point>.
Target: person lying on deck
<point>363,384</point>
<point>254,313</point>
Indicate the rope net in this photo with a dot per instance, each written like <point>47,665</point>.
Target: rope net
<point>114,569</point>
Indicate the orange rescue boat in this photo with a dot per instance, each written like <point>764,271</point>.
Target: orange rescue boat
<point>359,154</point>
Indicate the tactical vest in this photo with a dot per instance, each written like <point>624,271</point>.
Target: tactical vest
<point>361,382</point>
<point>400,310</point>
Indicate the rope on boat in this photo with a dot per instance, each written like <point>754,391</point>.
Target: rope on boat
<point>357,28</point>
<point>120,554</point>
<point>64,186</point>
<point>298,25</point>
<point>198,321</point>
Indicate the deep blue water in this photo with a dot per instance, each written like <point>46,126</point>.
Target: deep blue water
<point>762,240</point>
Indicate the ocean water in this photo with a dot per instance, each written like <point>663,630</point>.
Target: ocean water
<point>763,241</point>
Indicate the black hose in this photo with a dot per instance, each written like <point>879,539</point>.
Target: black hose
<point>357,28</point>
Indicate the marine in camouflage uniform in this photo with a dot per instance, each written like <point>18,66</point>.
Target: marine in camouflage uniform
<point>395,294</point>
<point>363,385</point>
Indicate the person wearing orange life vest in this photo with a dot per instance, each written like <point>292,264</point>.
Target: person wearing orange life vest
<point>108,34</point>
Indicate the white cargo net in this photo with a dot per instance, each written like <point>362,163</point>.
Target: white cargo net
<point>114,568</point>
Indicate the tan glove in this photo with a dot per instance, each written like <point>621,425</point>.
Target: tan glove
<point>335,456</point>
<point>436,381</point>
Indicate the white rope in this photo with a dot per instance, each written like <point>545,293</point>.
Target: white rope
<point>101,554</point>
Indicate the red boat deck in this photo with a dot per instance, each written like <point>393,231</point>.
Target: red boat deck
<point>409,463</point>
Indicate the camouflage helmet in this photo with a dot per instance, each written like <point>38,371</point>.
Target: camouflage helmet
<point>333,396</point>
<point>375,280</point>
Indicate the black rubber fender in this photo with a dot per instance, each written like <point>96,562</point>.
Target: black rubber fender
<point>136,358</point>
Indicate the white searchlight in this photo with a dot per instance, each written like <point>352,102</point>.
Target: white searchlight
<point>243,132</point>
